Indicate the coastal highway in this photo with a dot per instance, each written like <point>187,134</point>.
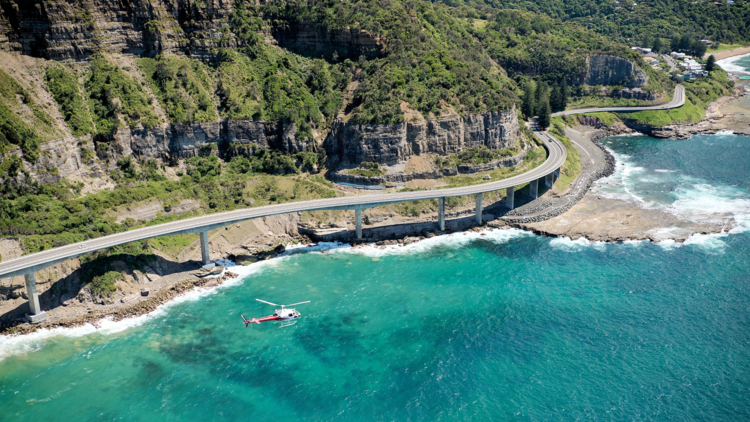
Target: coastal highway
<point>556,157</point>
<point>678,100</point>
<point>34,262</point>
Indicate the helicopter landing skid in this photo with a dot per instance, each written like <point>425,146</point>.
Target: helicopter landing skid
<point>287,323</point>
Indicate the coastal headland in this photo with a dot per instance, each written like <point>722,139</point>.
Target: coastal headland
<point>573,211</point>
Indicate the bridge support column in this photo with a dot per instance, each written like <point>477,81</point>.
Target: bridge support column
<point>441,213</point>
<point>479,208</point>
<point>509,194</point>
<point>549,179</point>
<point>205,258</point>
<point>36,314</point>
<point>358,212</point>
<point>534,188</point>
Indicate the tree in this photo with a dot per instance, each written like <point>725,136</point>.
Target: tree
<point>527,108</point>
<point>657,47</point>
<point>545,116</point>
<point>711,63</point>
<point>565,93</point>
<point>555,98</point>
<point>542,94</point>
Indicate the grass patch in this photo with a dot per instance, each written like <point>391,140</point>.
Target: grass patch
<point>172,245</point>
<point>67,94</point>
<point>572,167</point>
<point>723,47</point>
<point>367,169</point>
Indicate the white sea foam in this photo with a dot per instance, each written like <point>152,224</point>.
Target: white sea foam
<point>449,240</point>
<point>568,245</point>
<point>14,345</point>
<point>669,244</point>
<point>695,199</point>
<point>620,184</point>
<point>725,132</point>
<point>711,243</point>
<point>730,65</point>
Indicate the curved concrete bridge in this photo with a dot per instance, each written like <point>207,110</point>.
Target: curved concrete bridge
<point>556,154</point>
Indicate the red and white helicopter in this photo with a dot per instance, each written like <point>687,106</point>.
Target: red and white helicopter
<point>286,316</point>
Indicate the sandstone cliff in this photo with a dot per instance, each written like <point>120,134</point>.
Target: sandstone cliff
<point>611,70</point>
<point>77,28</point>
<point>388,144</point>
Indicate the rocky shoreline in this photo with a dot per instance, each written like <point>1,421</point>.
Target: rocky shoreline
<point>141,308</point>
<point>547,216</point>
<point>577,192</point>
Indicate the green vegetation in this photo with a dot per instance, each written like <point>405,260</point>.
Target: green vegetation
<point>528,44</point>
<point>367,169</point>
<point>698,95</point>
<point>182,87</point>
<point>49,216</point>
<point>67,94</point>
<point>428,58</point>
<point>572,167</point>
<point>480,155</point>
<point>114,95</point>
<point>640,24</point>
<point>104,285</point>
<point>22,120</point>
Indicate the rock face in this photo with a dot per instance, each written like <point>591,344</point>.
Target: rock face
<point>311,40</point>
<point>610,70</point>
<point>236,137</point>
<point>75,29</point>
<point>388,144</point>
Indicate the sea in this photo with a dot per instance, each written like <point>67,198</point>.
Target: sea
<point>739,65</point>
<point>489,326</point>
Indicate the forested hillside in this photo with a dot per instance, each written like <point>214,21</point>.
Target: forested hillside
<point>211,103</point>
<point>634,22</point>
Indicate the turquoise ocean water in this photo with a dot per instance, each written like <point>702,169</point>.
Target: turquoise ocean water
<point>505,325</point>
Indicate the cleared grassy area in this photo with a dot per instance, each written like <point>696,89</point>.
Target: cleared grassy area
<point>173,245</point>
<point>723,47</point>
<point>572,167</point>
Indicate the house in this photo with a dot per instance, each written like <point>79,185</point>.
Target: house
<point>707,42</point>
<point>641,49</point>
<point>677,55</point>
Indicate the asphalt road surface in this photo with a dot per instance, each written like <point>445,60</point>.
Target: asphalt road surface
<point>678,100</point>
<point>555,159</point>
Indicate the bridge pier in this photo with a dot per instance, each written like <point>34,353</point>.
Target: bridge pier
<point>441,213</point>
<point>509,194</point>
<point>205,258</point>
<point>358,217</point>
<point>36,314</point>
<point>479,208</point>
<point>549,180</point>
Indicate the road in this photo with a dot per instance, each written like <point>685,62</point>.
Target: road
<point>34,262</point>
<point>678,100</point>
<point>555,159</point>
<point>670,62</point>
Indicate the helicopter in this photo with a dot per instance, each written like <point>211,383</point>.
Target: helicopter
<point>286,316</point>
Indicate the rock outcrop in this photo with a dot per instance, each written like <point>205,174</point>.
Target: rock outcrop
<point>388,144</point>
<point>75,29</point>
<point>610,70</point>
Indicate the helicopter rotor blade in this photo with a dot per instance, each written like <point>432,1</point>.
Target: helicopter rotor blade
<point>299,303</point>
<point>267,302</point>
